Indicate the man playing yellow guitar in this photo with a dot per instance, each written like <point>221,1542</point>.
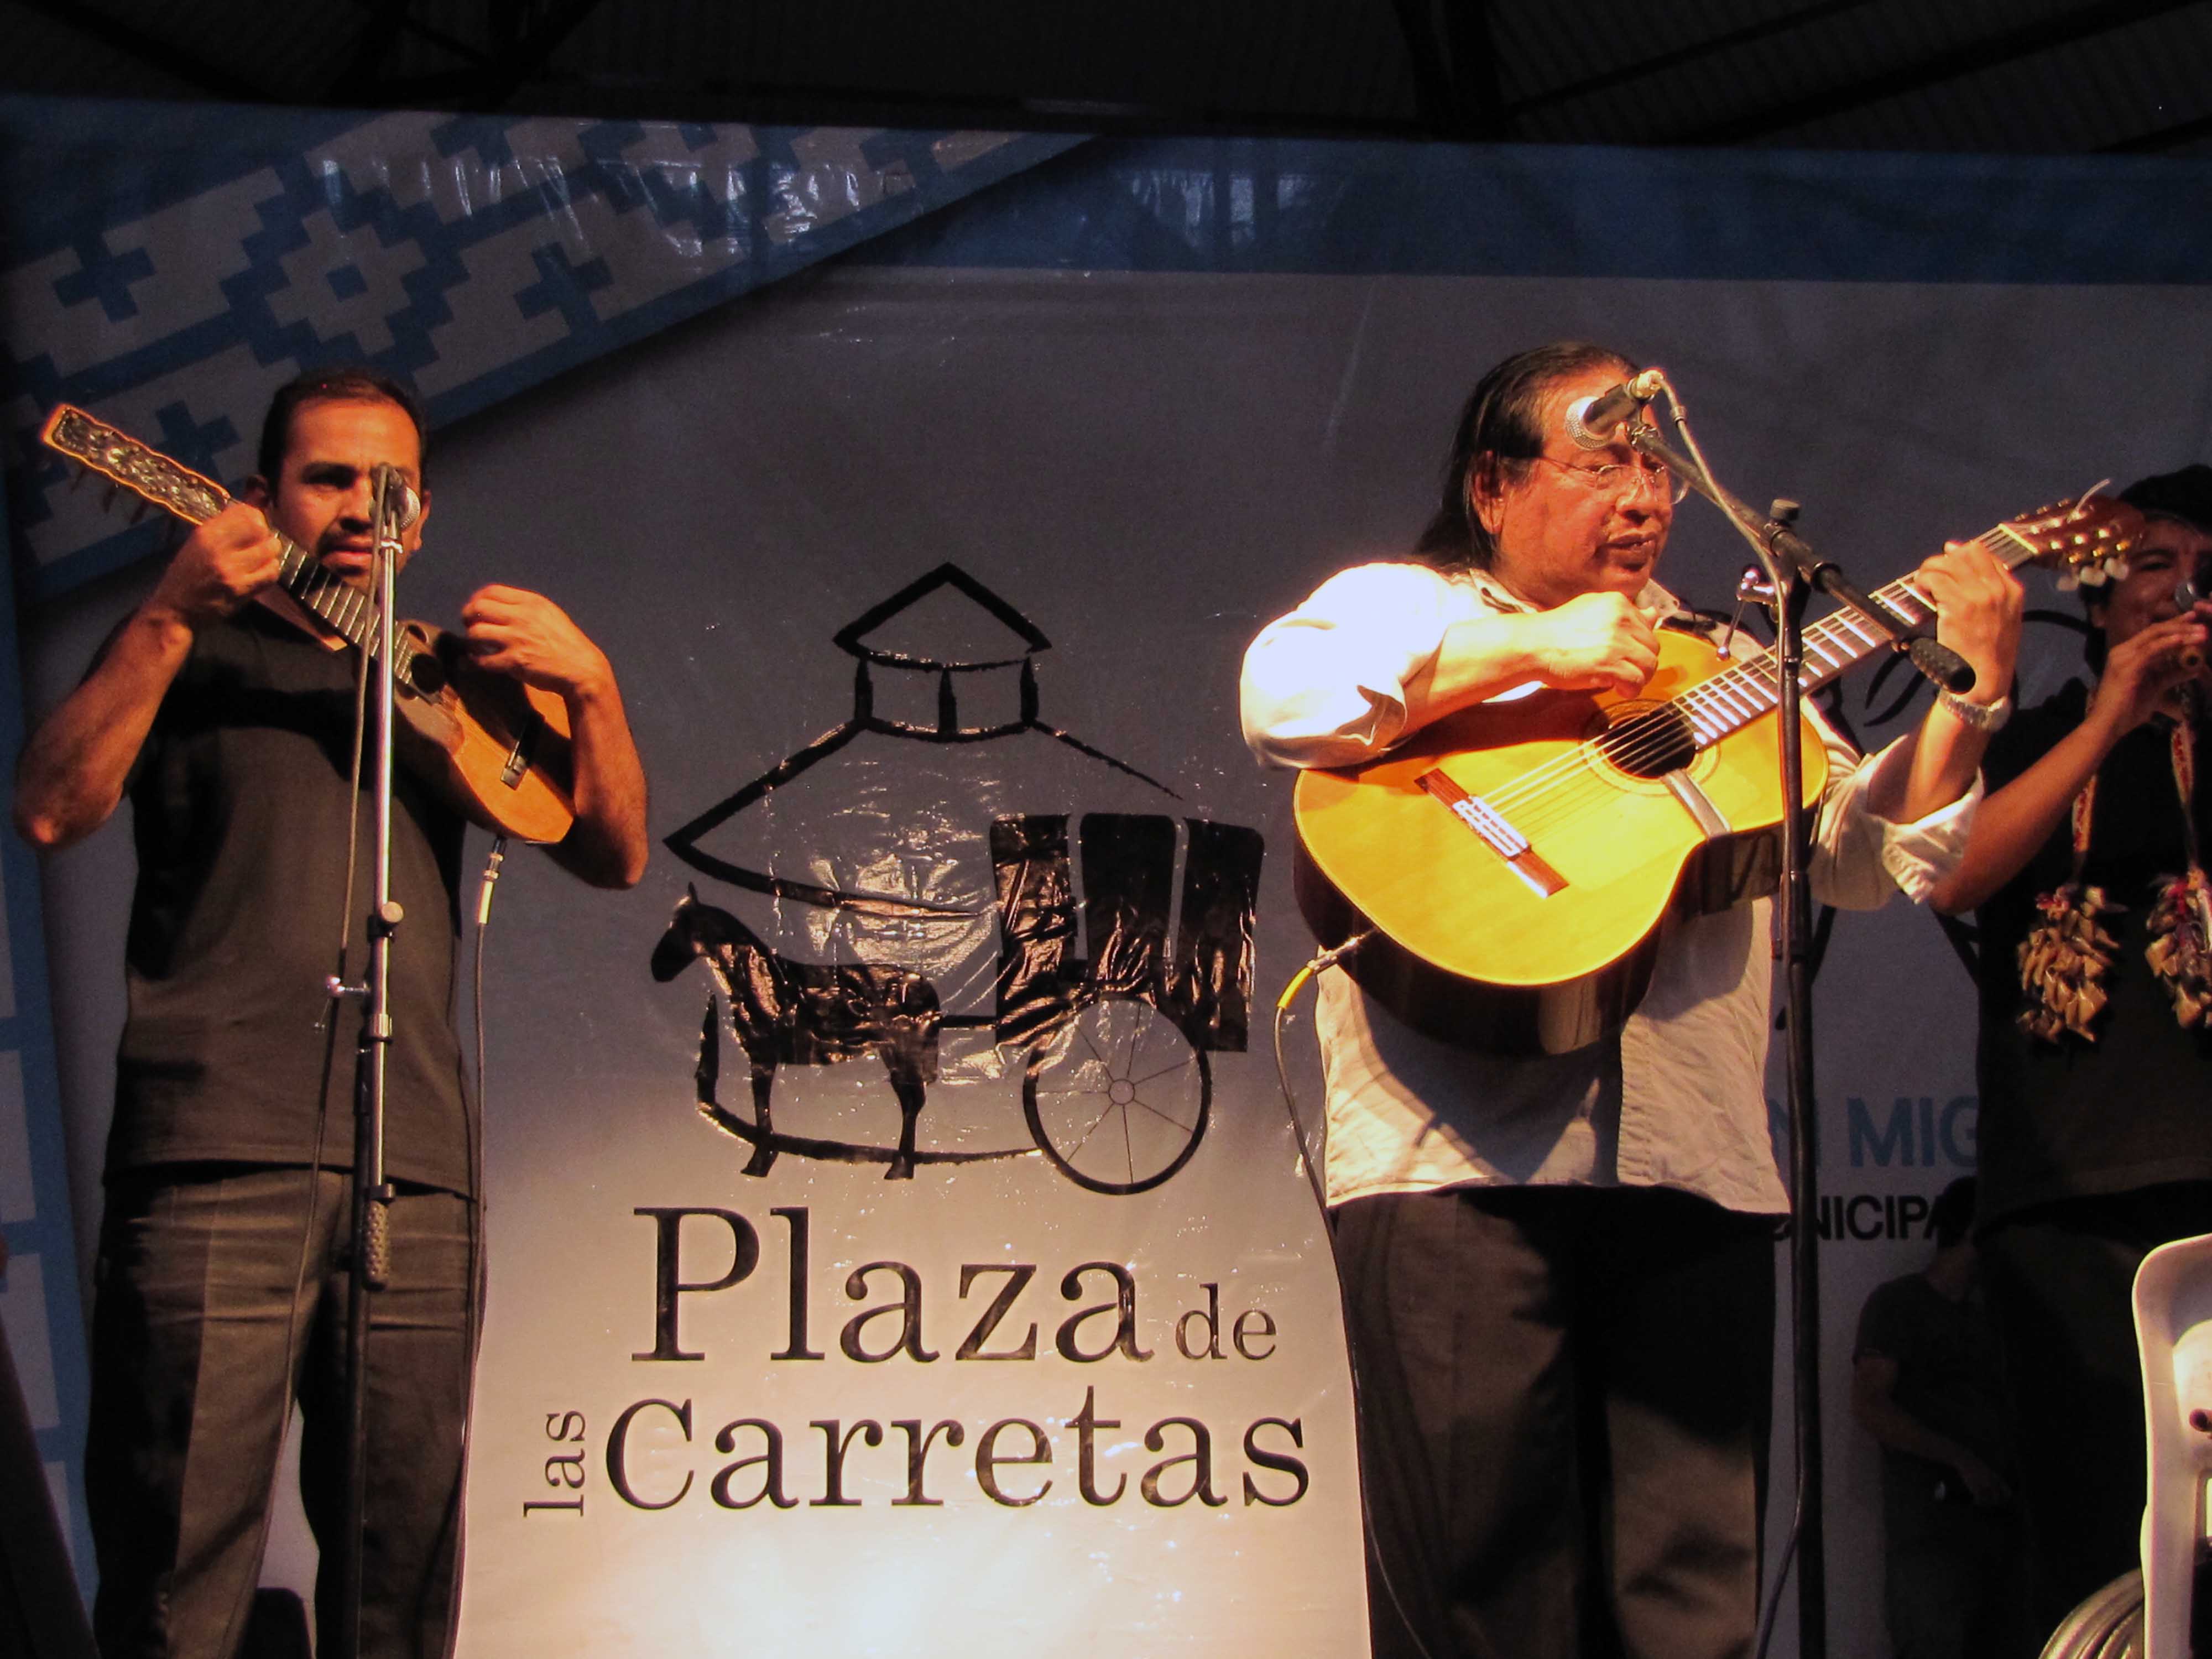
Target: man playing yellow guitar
<point>231,730</point>
<point>1559,1266</point>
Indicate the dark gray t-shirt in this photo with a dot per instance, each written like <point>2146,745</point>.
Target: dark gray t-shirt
<point>1947,1377</point>
<point>239,804</point>
<point>2134,1108</point>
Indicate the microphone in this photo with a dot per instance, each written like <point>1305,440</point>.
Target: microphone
<point>1591,421</point>
<point>401,503</point>
<point>2188,593</point>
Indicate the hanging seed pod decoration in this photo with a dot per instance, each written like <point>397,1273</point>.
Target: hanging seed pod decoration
<point>2178,951</point>
<point>2062,963</point>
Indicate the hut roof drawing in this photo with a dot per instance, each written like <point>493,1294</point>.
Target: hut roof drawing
<point>943,624</point>
<point>911,606</point>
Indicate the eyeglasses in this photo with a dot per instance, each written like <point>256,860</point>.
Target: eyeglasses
<point>1622,478</point>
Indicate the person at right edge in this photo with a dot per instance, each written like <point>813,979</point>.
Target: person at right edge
<point>2085,869</point>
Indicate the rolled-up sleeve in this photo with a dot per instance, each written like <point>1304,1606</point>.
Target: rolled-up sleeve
<point>1326,684</point>
<point>1860,860</point>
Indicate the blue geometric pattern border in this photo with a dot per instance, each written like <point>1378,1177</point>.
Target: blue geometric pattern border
<point>1322,207</point>
<point>475,255</point>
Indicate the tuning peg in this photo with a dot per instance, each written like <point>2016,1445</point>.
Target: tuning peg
<point>138,514</point>
<point>107,500</point>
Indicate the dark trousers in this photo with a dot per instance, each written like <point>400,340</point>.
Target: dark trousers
<point>1951,1581</point>
<point>195,1301</point>
<point>2060,1280</point>
<point>1565,1398</point>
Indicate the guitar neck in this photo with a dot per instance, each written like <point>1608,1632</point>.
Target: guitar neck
<point>178,490</point>
<point>1834,646</point>
<point>348,612</point>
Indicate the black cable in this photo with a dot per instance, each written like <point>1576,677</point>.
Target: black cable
<point>1313,1171</point>
<point>1788,1557</point>
<point>473,1125</point>
<point>1306,1160</point>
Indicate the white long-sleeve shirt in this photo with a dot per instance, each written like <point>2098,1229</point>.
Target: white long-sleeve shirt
<point>1677,1097</point>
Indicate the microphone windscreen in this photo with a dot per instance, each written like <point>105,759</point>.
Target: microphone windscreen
<point>399,498</point>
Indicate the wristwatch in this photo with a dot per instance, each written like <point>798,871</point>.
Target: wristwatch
<point>1979,716</point>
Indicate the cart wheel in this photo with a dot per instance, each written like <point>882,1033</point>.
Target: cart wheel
<point>1118,1097</point>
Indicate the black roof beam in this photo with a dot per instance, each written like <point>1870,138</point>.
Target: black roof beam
<point>132,41</point>
<point>1643,68</point>
<point>2161,139</point>
<point>1454,58</point>
<point>2045,35</point>
<point>357,82</point>
<point>512,66</point>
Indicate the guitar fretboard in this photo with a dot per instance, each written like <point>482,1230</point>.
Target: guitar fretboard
<point>1734,697</point>
<point>177,490</point>
<point>350,610</point>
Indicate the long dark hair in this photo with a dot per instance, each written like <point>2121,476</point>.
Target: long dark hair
<point>1500,432</point>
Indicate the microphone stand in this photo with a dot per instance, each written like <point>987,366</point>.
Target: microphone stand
<point>1793,569</point>
<point>370,1258</point>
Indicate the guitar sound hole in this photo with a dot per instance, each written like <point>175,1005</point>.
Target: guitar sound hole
<point>1648,741</point>
<point>427,674</point>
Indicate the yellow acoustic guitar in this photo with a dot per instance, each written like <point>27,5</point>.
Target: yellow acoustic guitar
<point>1516,858</point>
<point>498,748</point>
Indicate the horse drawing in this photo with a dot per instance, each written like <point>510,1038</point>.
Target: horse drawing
<point>784,1012</point>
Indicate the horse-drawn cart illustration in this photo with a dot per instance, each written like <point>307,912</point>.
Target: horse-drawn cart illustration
<point>1112,1045</point>
<point>1107,999</point>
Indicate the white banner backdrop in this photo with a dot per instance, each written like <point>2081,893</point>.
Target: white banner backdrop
<point>1147,1447</point>
<point>1146,468</point>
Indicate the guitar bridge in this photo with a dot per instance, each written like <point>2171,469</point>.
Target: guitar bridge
<point>1496,831</point>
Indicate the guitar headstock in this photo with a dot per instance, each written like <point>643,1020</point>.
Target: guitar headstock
<point>125,462</point>
<point>2085,540</point>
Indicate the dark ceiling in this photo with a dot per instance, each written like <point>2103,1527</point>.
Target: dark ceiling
<point>2052,76</point>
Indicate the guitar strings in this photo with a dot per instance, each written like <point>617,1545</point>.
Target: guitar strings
<point>1541,797</point>
<point>1717,698</point>
<point>1547,793</point>
<point>346,612</point>
<point>96,451</point>
<point>1723,692</point>
<point>1743,694</point>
